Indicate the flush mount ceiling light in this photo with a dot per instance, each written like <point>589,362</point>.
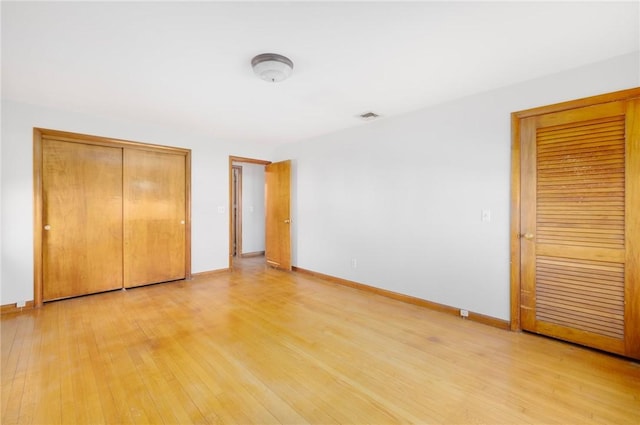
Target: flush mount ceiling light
<point>272,67</point>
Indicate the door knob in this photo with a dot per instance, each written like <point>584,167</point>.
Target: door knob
<point>287,221</point>
<point>527,236</point>
<point>47,227</point>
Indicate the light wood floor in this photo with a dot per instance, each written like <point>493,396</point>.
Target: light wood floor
<point>262,346</point>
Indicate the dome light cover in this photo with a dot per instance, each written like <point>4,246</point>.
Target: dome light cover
<point>272,67</point>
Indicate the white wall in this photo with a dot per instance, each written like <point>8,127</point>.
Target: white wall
<point>403,196</point>
<point>253,218</point>
<point>210,186</point>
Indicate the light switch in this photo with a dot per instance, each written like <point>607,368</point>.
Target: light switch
<point>221,210</point>
<point>486,216</point>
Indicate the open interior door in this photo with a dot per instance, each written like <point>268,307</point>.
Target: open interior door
<point>278,218</point>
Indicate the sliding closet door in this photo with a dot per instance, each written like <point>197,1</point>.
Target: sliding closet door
<point>81,219</point>
<point>154,216</point>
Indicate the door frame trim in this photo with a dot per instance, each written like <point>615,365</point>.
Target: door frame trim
<point>41,133</point>
<point>233,159</point>
<point>236,222</point>
<point>516,118</point>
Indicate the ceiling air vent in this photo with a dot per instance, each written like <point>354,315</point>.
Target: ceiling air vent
<point>369,116</point>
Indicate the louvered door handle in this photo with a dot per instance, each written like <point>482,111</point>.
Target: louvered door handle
<point>527,236</point>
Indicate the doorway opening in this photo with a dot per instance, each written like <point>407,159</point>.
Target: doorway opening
<point>267,211</point>
<point>236,212</point>
<point>246,208</point>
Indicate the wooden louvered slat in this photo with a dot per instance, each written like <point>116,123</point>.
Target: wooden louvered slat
<point>574,286</point>
<point>612,148</point>
<point>609,325</point>
<point>579,230</point>
<point>582,232</point>
<point>584,143</point>
<point>550,144</point>
<point>602,304</point>
<point>594,142</point>
<point>586,295</point>
<point>584,321</point>
<point>612,225</point>
<point>562,178</point>
<point>594,229</point>
<point>593,173</point>
<point>591,266</point>
<point>569,236</point>
<point>599,164</point>
<point>594,245</point>
<point>577,281</point>
<point>574,176</point>
<point>611,180</point>
<point>581,319</point>
<point>593,218</point>
<point>614,201</point>
<point>578,164</point>
<point>577,138</point>
<point>576,156</point>
<point>596,147</point>
<point>550,211</point>
<point>596,283</point>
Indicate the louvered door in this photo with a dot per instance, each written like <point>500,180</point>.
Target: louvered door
<point>580,240</point>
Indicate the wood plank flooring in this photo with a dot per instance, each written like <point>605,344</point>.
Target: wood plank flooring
<point>261,346</point>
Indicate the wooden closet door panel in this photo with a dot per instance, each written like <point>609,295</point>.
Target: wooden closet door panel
<point>82,216</point>
<point>278,218</point>
<point>154,217</point>
<point>574,250</point>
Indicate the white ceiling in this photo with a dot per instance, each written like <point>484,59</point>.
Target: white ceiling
<point>185,65</point>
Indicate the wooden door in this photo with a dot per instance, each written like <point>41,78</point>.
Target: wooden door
<point>154,217</point>
<point>278,218</point>
<point>580,226</point>
<point>81,219</point>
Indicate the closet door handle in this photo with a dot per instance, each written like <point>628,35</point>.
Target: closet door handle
<point>47,227</point>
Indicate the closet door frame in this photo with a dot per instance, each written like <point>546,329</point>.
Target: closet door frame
<point>39,134</point>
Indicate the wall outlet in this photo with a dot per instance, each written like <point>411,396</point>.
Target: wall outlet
<point>21,304</point>
<point>464,313</point>
<point>354,263</point>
